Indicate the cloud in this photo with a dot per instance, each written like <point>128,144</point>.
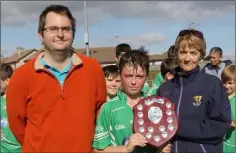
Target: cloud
<point>229,55</point>
<point>147,39</point>
<point>18,13</point>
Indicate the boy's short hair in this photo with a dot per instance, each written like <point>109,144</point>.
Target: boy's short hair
<point>228,73</point>
<point>111,70</point>
<point>122,48</point>
<point>171,53</point>
<point>6,71</point>
<point>136,58</point>
<point>168,65</point>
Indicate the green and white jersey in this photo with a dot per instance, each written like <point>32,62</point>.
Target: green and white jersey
<point>152,91</point>
<point>114,124</point>
<point>158,80</point>
<point>146,87</point>
<point>8,141</point>
<point>229,139</point>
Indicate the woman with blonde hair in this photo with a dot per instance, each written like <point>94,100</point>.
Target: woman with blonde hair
<point>202,105</point>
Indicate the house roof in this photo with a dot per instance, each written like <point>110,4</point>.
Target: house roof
<point>17,56</point>
<point>32,56</point>
<point>107,55</point>
<point>158,57</point>
<point>102,54</point>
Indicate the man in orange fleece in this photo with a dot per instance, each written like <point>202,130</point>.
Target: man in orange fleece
<point>52,100</point>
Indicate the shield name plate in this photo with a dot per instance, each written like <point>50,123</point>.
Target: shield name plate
<point>155,118</point>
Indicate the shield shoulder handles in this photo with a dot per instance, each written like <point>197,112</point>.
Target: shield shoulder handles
<point>155,118</point>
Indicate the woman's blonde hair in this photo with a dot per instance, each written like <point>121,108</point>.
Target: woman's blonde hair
<point>191,38</point>
<point>228,73</point>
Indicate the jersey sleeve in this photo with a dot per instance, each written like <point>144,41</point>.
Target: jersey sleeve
<point>145,87</point>
<point>158,80</point>
<point>152,91</point>
<point>3,104</point>
<point>233,109</point>
<point>102,137</point>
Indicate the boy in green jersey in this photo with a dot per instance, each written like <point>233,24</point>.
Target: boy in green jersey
<point>171,53</point>
<point>114,125</point>
<point>120,50</point>
<point>8,141</point>
<point>113,81</point>
<point>167,72</point>
<point>228,79</point>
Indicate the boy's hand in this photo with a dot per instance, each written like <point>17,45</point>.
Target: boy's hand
<point>136,139</point>
<point>166,148</point>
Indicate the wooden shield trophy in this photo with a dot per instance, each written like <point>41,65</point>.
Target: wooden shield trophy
<point>155,118</point>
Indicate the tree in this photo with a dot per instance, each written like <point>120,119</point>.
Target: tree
<point>20,48</point>
<point>142,47</point>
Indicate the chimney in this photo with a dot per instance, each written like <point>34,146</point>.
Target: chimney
<point>19,50</point>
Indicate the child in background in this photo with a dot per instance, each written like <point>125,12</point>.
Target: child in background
<point>167,69</point>
<point>8,141</point>
<point>113,81</point>
<point>228,79</point>
<point>171,53</point>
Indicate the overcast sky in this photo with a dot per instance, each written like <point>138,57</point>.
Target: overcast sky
<point>154,24</point>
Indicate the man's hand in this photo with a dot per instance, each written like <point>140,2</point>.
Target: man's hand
<point>166,148</point>
<point>135,140</point>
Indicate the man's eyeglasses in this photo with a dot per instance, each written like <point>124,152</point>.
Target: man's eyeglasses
<point>55,29</point>
<point>196,33</point>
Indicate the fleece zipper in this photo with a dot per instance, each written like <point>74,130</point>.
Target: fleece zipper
<point>178,106</point>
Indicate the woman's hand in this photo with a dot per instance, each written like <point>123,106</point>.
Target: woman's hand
<point>166,148</point>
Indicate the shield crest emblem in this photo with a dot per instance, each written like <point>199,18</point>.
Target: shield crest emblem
<point>155,118</point>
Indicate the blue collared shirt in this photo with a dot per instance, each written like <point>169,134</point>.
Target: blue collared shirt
<point>60,75</point>
<point>215,70</point>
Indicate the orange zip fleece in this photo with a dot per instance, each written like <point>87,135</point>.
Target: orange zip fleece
<point>47,117</point>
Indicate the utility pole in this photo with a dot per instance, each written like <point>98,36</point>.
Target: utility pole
<point>2,52</point>
<point>86,37</point>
